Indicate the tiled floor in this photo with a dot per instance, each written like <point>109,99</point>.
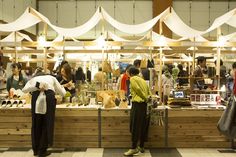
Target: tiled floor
<point>100,152</point>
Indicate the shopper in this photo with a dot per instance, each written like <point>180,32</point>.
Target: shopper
<point>43,122</point>
<point>182,76</point>
<point>199,71</point>
<point>138,116</point>
<point>88,75</point>
<point>79,75</point>
<point>16,80</point>
<point>67,79</point>
<point>28,73</point>
<point>125,82</point>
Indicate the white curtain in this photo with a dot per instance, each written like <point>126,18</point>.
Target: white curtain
<point>76,31</point>
<point>133,29</point>
<point>26,20</point>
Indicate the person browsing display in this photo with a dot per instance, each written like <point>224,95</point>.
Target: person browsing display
<point>67,79</point>
<point>16,80</point>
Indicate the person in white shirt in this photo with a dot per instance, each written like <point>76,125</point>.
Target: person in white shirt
<point>43,123</point>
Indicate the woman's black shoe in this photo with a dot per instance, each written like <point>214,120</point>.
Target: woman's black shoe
<point>45,154</point>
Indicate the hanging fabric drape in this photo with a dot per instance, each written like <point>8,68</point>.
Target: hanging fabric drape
<point>26,20</point>
<point>19,37</point>
<point>117,38</point>
<point>133,29</point>
<point>76,31</point>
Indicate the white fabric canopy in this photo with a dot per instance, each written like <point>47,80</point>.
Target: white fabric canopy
<point>117,38</point>
<point>26,20</point>
<point>133,29</point>
<point>76,31</point>
<point>19,37</point>
<point>176,25</point>
<point>221,20</point>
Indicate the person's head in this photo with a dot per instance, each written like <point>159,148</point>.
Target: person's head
<point>16,68</point>
<point>127,68</point>
<point>133,71</point>
<point>201,60</point>
<point>137,63</point>
<point>38,72</point>
<point>28,70</point>
<point>221,62</point>
<point>100,69</point>
<point>180,67</point>
<point>66,71</point>
<point>80,69</point>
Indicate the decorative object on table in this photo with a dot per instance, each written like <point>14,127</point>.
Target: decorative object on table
<point>106,66</point>
<point>107,99</point>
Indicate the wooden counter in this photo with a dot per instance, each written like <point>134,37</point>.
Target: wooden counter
<point>76,127</point>
<point>195,128</point>
<point>73,127</point>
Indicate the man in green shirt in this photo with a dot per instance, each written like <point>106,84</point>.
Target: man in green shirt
<point>140,94</point>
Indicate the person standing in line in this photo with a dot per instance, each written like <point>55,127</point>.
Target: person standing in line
<point>138,115</point>
<point>42,130</point>
<point>16,80</point>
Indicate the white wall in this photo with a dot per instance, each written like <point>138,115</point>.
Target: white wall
<point>10,10</point>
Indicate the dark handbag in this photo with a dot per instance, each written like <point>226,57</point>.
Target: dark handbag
<point>226,125</point>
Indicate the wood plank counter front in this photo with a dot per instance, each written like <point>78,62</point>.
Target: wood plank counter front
<point>195,128</point>
<point>91,127</point>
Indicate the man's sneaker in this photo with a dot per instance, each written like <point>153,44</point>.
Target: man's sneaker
<point>141,149</point>
<point>131,152</point>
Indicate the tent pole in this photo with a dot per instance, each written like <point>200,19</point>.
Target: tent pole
<point>160,63</point>
<point>16,59</point>
<point>218,60</point>
<point>44,47</point>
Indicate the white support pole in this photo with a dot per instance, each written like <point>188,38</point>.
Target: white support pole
<point>218,59</point>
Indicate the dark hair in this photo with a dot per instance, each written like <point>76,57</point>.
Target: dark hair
<point>29,69</point>
<point>18,65</point>
<point>137,62</point>
<point>221,62</point>
<point>127,67</point>
<point>38,72</point>
<point>180,66</point>
<point>234,65</point>
<point>67,69</point>
<point>133,71</point>
<point>200,59</point>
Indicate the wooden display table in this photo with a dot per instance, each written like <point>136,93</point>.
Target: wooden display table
<point>92,127</point>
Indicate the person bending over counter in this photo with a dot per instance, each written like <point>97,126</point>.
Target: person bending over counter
<point>43,106</point>
<point>67,79</point>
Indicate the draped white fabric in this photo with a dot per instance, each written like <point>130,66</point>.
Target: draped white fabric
<point>157,37</point>
<point>221,20</point>
<point>133,29</point>
<point>76,31</point>
<point>176,25</point>
<point>19,37</point>
<point>26,20</point>
<point>117,38</point>
<point>232,21</point>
